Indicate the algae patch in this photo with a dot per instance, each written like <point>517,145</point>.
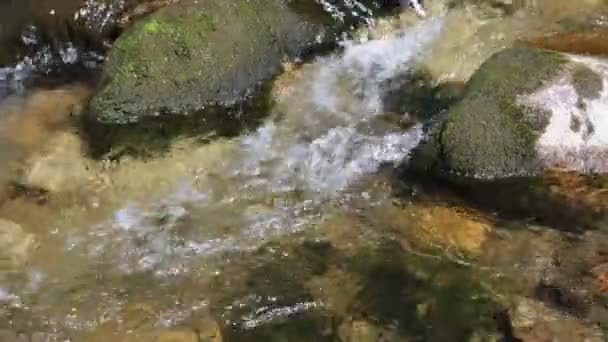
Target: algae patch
<point>488,133</point>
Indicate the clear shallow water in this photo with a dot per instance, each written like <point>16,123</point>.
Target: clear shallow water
<point>273,182</point>
<point>276,180</point>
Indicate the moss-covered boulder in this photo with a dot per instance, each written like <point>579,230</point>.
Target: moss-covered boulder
<point>199,53</point>
<point>526,140</point>
<point>526,110</point>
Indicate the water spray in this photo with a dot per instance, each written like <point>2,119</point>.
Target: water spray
<point>416,5</point>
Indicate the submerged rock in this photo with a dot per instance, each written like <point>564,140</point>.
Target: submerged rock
<point>412,294</point>
<point>559,279</point>
<point>15,244</point>
<point>526,110</point>
<point>205,333</point>
<point>177,336</point>
<point>363,331</point>
<point>450,227</point>
<point>389,294</point>
<point>8,335</point>
<point>434,225</point>
<point>209,331</point>
<point>533,321</point>
<point>574,282</point>
<point>60,167</point>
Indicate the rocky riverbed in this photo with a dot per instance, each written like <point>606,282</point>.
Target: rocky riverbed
<point>303,171</point>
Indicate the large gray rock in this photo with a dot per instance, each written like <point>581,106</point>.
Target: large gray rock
<point>528,139</point>
<point>526,110</point>
<point>200,53</point>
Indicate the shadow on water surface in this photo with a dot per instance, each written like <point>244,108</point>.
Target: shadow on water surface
<point>416,94</point>
<point>270,301</point>
<point>565,201</point>
<point>427,300</point>
<point>153,135</point>
<point>402,296</point>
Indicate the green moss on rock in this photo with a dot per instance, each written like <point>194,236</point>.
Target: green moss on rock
<point>196,54</point>
<point>488,133</point>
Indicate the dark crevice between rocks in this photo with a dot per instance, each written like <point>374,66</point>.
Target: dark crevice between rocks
<point>414,93</point>
<point>530,199</point>
<point>515,188</point>
<point>503,322</point>
<point>561,299</point>
<point>523,199</point>
<point>48,33</point>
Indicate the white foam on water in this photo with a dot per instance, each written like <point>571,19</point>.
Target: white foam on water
<point>331,162</point>
<point>323,158</point>
<point>265,315</point>
<point>367,65</point>
<point>353,8</point>
<point>275,182</point>
<point>140,239</point>
<point>98,15</point>
<point>299,164</point>
<point>43,60</point>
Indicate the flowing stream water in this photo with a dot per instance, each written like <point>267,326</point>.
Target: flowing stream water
<point>151,245</point>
